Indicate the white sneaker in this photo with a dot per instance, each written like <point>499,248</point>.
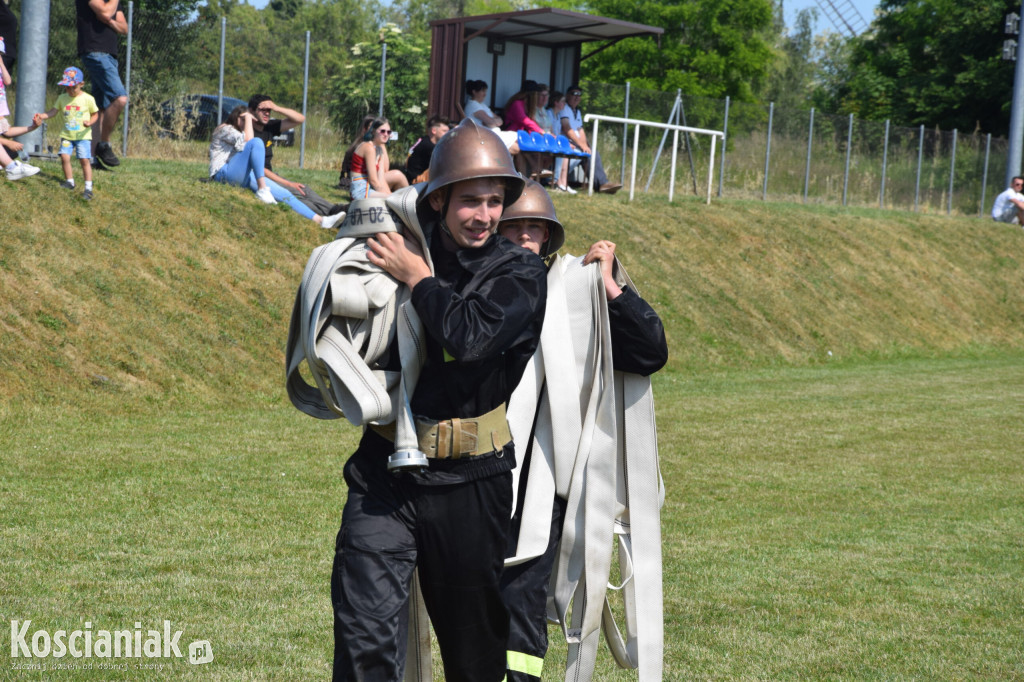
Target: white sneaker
<point>567,189</point>
<point>21,170</point>
<point>264,195</point>
<point>330,221</point>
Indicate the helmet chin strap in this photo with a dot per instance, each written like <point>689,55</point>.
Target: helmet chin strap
<point>443,217</point>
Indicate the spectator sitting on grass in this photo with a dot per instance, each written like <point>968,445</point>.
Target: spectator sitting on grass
<point>266,128</point>
<point>418,163</point>
<point>236,158</point>
<point>1009,205</point>
<point>371,167</point>
<point>345,176</point>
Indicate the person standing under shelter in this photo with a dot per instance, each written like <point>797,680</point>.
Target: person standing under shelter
<point>99,22</point>
<point>571,119</point>
<point>482,309</point>
<point>1009,205</point>
<point>266,129</point>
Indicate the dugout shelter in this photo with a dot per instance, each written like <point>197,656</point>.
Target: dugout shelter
<point>504,50</point>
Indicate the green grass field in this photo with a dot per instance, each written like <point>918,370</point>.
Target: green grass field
<point>840,432</point>
<point>853,522</point>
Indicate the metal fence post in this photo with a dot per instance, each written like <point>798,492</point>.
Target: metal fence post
<point>984,175</point>
<point>725,135</point>
<point>768,151</point>
<point>849,147</point>
<point>885,166</point>
<point>33,52</point>
<point>952,168</point>
<point>220,83</point>
<point>383,70</point>
<point>807,167</point>
<point>917,182</point>
<point>1016,148</point>
<point>625,132</point>
<point>305,96</point>
<point>127,83</point>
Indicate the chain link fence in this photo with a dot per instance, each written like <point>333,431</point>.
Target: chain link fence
<point>769,153</point>
<point>804,156</point>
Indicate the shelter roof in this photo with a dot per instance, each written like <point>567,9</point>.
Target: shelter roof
<point>550,26</point>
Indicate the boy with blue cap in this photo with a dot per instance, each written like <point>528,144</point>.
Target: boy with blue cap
<point>80,112</point>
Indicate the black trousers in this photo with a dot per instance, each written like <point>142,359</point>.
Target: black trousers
<point>456,534</point>
<point>315,202</point>
<point>524,587</point>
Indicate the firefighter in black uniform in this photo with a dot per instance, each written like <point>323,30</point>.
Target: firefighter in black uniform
<point>638,346</point>
<point>482,310</point>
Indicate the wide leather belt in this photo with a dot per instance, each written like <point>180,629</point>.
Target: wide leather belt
<point>457,438</point>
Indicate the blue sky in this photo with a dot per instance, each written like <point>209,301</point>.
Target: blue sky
<point>791,7</point>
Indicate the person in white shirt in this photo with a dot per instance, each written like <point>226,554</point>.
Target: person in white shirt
<point>571,120</point>
<point>1009,206</point>
<point>476,93</point>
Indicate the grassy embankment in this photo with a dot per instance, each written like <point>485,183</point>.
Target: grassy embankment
<point>845,516</point>
<point>167,290</point>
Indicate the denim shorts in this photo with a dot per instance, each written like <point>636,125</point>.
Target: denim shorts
<point>82,148</point>
<point>106,83</point>
<point>359,188</point>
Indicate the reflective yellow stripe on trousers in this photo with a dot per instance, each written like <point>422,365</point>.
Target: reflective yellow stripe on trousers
<point>525,663</point>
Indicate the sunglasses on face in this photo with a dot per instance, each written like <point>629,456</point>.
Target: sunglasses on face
<point>383,132</point>
<point>262,110</point>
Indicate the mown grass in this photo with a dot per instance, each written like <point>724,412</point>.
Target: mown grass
<point>829,522</point>
<point>840,428</point>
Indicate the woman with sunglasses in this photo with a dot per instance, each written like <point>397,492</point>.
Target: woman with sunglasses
<point>237,157</point>
<point>371,168</point>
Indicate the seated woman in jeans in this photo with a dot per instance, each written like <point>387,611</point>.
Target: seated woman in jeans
<point>237,158</point>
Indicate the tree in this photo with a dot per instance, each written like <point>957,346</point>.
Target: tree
<point>791,79</point>
<point>414,16</point>
<point>356,87</point>
<point>931,62</point>
<point>711,48</point>
<point>266,47</point>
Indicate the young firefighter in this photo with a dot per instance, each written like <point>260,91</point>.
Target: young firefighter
<point>638,347</point>
<point>482,309</point>
<point>80,112</point>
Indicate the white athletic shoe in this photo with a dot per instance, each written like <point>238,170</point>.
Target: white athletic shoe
<point>264,195</point>
<point>331,221</point>
<point>21,170</point>
<point>567,189</point>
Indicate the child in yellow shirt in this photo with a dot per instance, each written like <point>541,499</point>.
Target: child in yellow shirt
<point>80,112</point>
